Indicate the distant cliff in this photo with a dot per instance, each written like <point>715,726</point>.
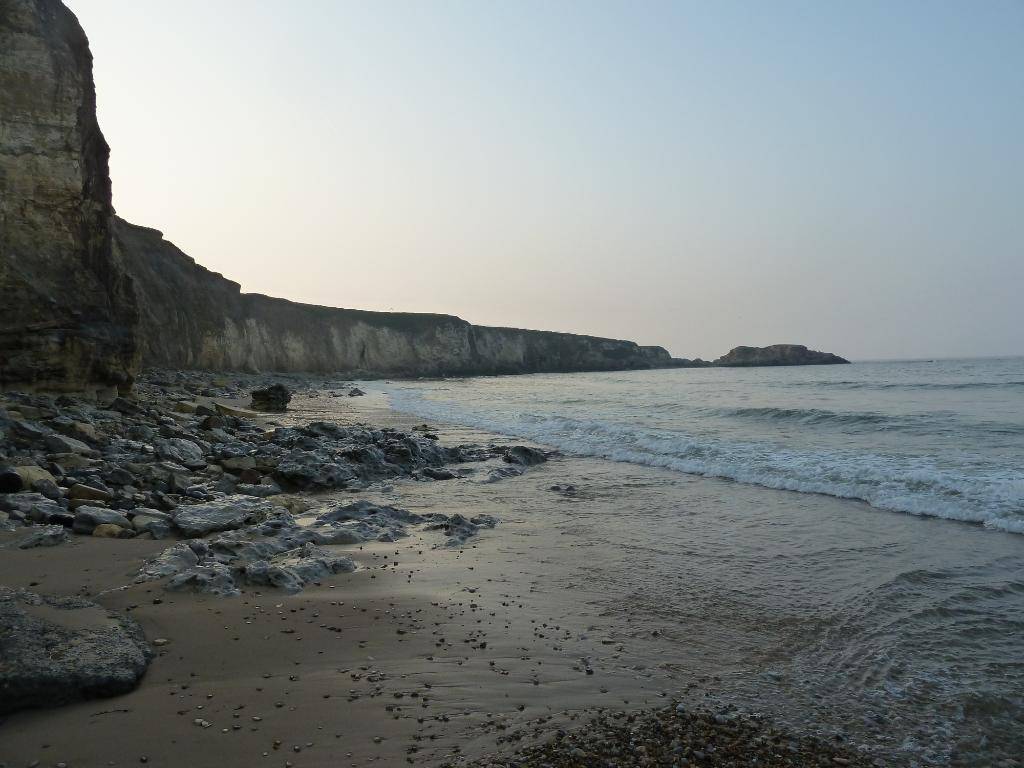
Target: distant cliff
<point>776,354</point>
<point>67,308</point>
<point>191,317</point>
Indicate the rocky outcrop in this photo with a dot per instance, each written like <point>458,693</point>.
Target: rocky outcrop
<point>67,307</point>
<point>776,354</point>
<point>191,317</point>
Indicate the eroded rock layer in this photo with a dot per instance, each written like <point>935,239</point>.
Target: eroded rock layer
<point>194,318</point>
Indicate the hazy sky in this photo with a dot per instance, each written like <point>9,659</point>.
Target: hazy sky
<point>849,175</point>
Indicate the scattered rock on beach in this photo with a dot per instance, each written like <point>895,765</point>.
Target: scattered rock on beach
<point>45,536</point>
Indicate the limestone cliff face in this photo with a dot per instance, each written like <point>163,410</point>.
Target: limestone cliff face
<point>777,354</point>
<point>191,317</point>
<point>67,307</point>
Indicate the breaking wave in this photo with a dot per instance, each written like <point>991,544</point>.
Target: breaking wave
<point>983,492</point>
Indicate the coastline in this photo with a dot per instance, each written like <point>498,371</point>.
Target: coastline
<point>489,644</point>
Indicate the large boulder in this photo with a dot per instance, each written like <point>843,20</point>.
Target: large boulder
<point>57,650</point>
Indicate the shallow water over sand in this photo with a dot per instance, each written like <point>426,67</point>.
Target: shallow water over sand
<point>899,631</point>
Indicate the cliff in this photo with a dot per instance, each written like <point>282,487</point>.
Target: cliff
<point>776,354</point>
<point>67,308</point>
<point>191,317</point>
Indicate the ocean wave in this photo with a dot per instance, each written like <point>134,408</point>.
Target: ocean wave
<point>987,494</point>
<point>909,385</point>
<point>921,423</point>
<point>818,416</point>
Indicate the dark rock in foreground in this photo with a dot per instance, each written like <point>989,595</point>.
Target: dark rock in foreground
<point>777,354</point>
<point>57,650</point>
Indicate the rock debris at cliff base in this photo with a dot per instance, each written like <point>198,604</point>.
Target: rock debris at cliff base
<point>178,463</point>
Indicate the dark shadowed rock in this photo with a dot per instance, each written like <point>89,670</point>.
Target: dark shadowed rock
<point>273,398</point>
<point>57,650</point>
<point>10,481</point>
<point>777,354</point>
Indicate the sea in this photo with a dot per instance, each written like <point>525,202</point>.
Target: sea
<point>942,438</point>
<point>841,547</point>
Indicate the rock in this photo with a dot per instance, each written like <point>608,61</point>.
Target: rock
<point>502,473</point>
<point>63,444</point>
<point>109,531</point>
<point>261,490</point>
<point>291,571</point>
<point>30,506</point>
<point>458,528</point>
<point>356,392</point>
<point>524,455</point>
<point>273,398</point>
<point>211,579</point>
<point>89,493</point>
<point>239,413</point>
<point>88,518</point>
<point>313,469</point>
<point>250,477</point>
<point>222,515</point>
<point>11,480</point>
<point>174,560</point>
<point>238,464</point>
<point>49,489</point>
<point>44,536</point>
<point>57,650</point>
<point>158,524</point>
<point>181,451</point>
<point>777,354</point>
<point>27,432</point>
<point>439,473</point>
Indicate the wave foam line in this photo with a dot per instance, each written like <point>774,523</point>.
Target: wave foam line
<point>993,497</point>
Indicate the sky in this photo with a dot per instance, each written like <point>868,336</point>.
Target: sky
<point>848,176</point>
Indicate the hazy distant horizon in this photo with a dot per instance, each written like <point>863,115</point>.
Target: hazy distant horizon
<point>694,176</point>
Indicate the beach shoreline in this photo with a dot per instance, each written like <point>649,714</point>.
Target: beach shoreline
<point>429,654</point>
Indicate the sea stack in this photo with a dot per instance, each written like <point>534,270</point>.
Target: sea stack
<point>777,354</point>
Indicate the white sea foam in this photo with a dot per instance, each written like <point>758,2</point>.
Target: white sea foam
<point>988,494</point>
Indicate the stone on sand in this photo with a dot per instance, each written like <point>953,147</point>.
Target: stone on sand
<point>57,650</point>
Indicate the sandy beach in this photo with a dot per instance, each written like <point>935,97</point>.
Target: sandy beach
<point>425,654</point>
<point>437,655</point>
